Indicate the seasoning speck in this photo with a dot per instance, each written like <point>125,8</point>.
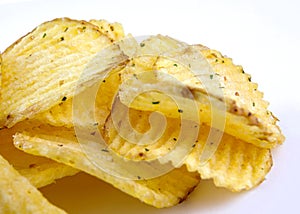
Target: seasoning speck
<point>155,102</point>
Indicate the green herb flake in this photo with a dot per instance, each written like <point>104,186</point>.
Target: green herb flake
<point>44,35</point>
<point>142,44</point>
<point>84,27</point>
<point>155,102</point>
<point>66,29</point>
<point>253,104</point>
<point>175,65</point>
<point>64,99</point>
<point>211,76</point>
<point>104,150</point>
<point>146,149</point>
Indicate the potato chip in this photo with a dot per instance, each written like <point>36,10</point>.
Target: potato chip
<point>61,115</point>
<point>247,116</point>
<point>47,65</point>
<point>236,165</point>
<point>17,195</point>
<point>39,171</point>
<point>167,190</point>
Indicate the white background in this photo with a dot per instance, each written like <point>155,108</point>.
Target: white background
<point>263,36</point>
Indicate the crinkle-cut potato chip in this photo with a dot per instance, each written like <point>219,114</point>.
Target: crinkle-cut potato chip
<point>114,31</point>
<point>247,117</point>
<point>40,171</point>
<point>62,114</point>
<point>17,195</point>
<point>236,165</point>
<point>45,67</point>
<point>62,146</point>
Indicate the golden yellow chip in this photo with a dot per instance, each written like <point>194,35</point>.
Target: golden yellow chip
<point>62,146</point>
<point>46,66</point>
<point>219,81</point>
<point>39,171</point>
<point>17,195</point>
<point>236,165</point>
<point>61,115</point>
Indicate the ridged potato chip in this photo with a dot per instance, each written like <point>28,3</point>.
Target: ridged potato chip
<point>17,195</point>
<point>246,115</point>
<point>236,165</point>
<point>40,171</point>
<point>56,52</point>
<point>61,145</point>
<point>62,114</point>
